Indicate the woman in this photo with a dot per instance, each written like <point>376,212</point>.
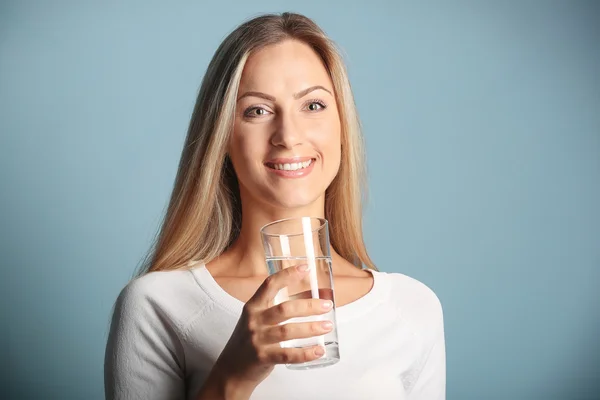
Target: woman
<point>200,322</point>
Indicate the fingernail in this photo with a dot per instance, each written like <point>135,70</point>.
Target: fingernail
<point>327,325</point>
<point>302,268</point>
<point>327,304</point>
<point>319,351</point>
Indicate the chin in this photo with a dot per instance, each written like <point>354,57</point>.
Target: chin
<point>293,200</point>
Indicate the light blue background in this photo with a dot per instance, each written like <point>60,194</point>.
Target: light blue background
<point>482,121</point>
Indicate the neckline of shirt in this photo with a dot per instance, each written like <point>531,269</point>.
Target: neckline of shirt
<point>379,293</point>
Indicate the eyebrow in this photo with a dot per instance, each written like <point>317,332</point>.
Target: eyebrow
<point>297,96</point>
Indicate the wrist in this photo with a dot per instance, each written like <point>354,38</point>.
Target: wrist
<point>222,386</point>
<point>234,390</point>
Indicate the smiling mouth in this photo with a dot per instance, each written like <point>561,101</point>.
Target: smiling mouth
<point>296,166</point>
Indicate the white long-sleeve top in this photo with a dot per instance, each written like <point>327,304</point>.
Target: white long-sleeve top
<point>169,328</point>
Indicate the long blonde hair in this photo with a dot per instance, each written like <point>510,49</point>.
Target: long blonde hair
<point>204,213</point>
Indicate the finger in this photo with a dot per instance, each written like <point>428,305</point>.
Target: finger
<point>294,308</point>
<point>275,354</point>
<point>299,330</point>
<point>274,283</point>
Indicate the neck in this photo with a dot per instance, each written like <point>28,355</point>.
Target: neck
<point>246,256</point>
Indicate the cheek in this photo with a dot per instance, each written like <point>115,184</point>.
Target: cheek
<point>246,154</point>
<point>331,144</point>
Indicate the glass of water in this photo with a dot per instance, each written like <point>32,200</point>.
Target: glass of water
<point>304,241</point>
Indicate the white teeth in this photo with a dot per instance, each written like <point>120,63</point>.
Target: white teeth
<point>293,166</point>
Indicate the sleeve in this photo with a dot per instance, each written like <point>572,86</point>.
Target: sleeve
<point>431,381</point>
<point>143,352</point>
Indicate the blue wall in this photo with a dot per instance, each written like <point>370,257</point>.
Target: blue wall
<point>482,122</point>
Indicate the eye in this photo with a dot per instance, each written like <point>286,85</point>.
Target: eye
<point>255,112</point>
<point>315,105</point>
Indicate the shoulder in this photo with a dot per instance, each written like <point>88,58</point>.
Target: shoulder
<point>169,296</point>
<point>145,349</point>
<point>416,303</point>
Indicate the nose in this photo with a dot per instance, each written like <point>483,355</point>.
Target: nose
<point>288,132</point>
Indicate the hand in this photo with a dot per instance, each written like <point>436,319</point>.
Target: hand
<point>253,349</point>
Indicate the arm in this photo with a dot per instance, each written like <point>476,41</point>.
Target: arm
<point>217,387</point>
<point>431,381</point>
<point>143,354</point>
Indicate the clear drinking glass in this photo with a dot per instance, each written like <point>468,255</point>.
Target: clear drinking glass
<point>297,241</point>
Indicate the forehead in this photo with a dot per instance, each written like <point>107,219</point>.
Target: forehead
<point>287,66</point>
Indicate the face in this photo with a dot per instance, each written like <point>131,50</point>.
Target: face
<point>285,147</point>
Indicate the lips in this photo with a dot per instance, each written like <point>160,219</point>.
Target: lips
<point>291,167</point>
